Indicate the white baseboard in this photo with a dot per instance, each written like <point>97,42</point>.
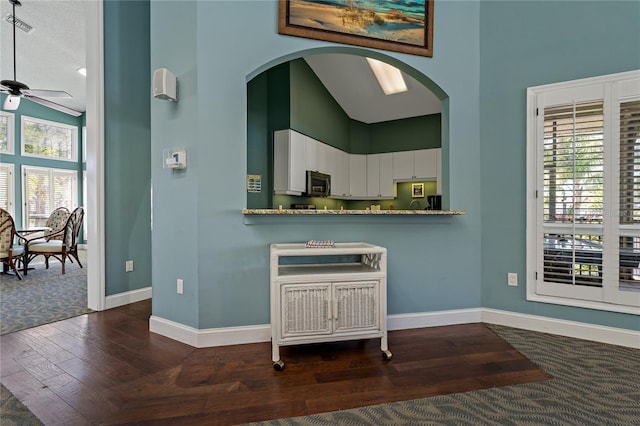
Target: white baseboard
<point>125,298</point>
<point>262,333</point>
<point>434,319</point>
<point>579,330</point>
<point>210,337</point>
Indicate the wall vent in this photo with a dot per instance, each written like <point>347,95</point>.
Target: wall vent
<point>20,24</point>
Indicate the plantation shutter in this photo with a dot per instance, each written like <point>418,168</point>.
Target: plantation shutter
<point>37,201</point>
<point>6,182</point>
<point>63,189</point>
<point>45,190</point>
<point>629,191</point>
<point>573,187</point>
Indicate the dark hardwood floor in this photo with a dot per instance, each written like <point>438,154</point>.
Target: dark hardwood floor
<point>107,368</point>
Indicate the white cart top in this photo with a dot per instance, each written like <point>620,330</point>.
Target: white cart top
<point>300,249</point>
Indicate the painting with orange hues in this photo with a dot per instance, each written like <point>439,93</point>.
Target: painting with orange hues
<point>398,25</point>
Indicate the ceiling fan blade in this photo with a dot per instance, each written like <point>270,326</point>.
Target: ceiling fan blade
<point>47,93</point>
<point>53,105</point>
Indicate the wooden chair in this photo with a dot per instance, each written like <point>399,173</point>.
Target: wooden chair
<point>10,252</point>
<point>56,222</point>
<point>61,249</point>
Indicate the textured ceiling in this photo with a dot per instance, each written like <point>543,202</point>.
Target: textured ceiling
<point>49,56</point>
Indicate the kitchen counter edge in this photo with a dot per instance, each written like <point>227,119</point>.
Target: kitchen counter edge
<point>354,212</point>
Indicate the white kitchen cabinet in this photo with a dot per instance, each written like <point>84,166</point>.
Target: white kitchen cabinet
<point>403,165</point>
<point>340,175</point>
<point>380,176</point>
<point>289,173</point>
<point>323,154</point>
<point>311,154</point>
<point>321,302</point>
<point>357,175</point>
<point>426,163</point>
<point>415,165</point>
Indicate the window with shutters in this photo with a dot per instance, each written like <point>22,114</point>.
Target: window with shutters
<point>49,139</point>
<point>583,203</point>
<point>6,132</point>
<point>44,190</point>
<point>7,199</point>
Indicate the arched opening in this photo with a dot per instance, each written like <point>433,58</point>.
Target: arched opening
<point>331,96</point>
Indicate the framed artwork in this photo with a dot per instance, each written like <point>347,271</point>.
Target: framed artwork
<point>402,25</point>
<point>417,190</point>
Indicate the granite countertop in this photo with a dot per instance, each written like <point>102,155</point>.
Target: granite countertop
<point>353,212</point>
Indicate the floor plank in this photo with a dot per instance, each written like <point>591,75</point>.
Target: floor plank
<point>106,367</point>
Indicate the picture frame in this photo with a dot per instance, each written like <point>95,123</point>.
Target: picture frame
<point>404,26</point>
<point>417,190</point>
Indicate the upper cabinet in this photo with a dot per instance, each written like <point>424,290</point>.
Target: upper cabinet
<point>353,176</point>
<point>380,176</point>
<point>419,164</point>
<point>357,175</point>
<point>422,164</point>
<point>289,162</point>
<point>340,178</point>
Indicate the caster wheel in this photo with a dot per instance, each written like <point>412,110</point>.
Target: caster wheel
<point>278,365</point>
<point>386,355</point>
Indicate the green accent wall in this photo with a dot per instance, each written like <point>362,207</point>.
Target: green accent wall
<point>127,145</point>
<point>406,134</point>
<point>314,112</point>
<point>359,137</point>
<point>258,143</point>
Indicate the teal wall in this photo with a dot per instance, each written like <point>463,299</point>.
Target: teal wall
<point>223,255</point>
<point>177,195</point>
<point>480,71</point>
<point>523,44</point>
<point>32,109</point>
<point>127,147</point>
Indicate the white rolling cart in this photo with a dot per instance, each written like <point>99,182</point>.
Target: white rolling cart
<point>322,302</point>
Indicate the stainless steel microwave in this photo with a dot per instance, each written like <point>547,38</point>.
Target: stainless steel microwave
<point>318,184</point>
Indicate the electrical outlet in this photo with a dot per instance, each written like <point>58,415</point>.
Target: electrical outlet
<point>512,279</point>
<point>128,266</point>
<point>180,286</point>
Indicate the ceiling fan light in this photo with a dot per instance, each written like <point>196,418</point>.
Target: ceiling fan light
<point>389,77</point>
<point>11,103</point>
<point>82,71</point>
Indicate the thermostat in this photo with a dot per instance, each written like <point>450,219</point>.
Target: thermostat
<point>175,158</point>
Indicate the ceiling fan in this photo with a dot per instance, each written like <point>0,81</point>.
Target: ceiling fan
<point>17,90</point>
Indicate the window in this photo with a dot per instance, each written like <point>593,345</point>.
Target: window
<point>7,199</point>
<point>583,203</point>
<point>48,139</point>
<point>6,132</point>
<point>46,189</point>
